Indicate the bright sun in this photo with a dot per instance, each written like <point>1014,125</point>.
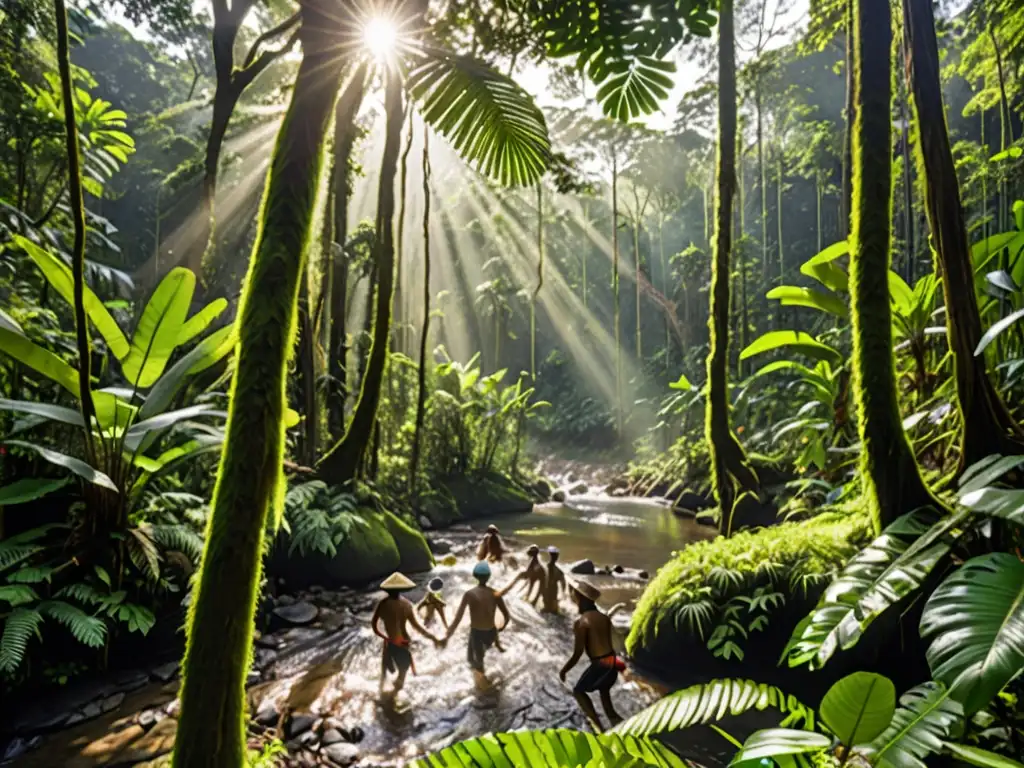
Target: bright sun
<point>380,36</point>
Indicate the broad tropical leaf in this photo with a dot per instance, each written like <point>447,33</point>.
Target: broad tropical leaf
<point>40,360</point>
<point>637,90</point>
<point>996,502</point>
<point>798,340</point>
<point>159,328</point>
<point>142,433</point>
<point>797,296</point>
<point>996,329</point>
<point>989,470</point>
<point>79,467</point>
<point>976,617</point>
<point>701,704</point>
<point>858,708</point>
<point>925,718</point>
<point>201,320</point>
<point>59,275</point>
<point>9,323</point>
<point>206,353</point>
<point>981,757</point>
<point>489,120</point>
<point>778,743</point>
<point>47,410</point>
<point>891,567</point>
<point>29,489</point>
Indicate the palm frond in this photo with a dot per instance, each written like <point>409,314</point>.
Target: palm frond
<point>489,120</point>
<point>20,626</point>
<point>926,717</point>
<point>701,704</point>
<point>637,90</point>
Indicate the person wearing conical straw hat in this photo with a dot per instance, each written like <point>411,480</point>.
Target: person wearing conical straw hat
<point>593,636</point>
<point>533,575</point>
<point>483,603</point>
<point>553,578</point>
<point>396,613</point>
<point>433,604</point>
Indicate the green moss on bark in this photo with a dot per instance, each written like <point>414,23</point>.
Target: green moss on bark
<point>892,478</point>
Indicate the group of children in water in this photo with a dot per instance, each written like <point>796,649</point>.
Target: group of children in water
<point>592,630</point>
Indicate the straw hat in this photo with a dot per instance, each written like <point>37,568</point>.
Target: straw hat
<point>398,582</point>
<point>586,589</point>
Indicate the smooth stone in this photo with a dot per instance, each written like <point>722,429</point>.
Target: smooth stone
<point>92,710</point>
<point>342,754</point>
<point>165,672</point>
<point>558,496</point>
<point>112,703</point>
<point>424,522</point>
<point>267,714</point>
<point>299,724</point>
<point>297,614</point>
<point>286,600</point>
<point>576,489</point>
<point>354,734</point>
<point>35,742</point>
<point>131,680</point>
<point>618,569</point>
<point>644,575</point>
<point>253,678</point>
<point>439,546</point>
<point>583,567</point>
<point>331,736</point>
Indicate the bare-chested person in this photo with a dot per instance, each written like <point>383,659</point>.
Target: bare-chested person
<point>593,632</point>
<point>533,575</point>
<point>433,604</point>
<point>482,602</point>
<point>396,612</point>
<point>491,548</point>
<point>553,578</point>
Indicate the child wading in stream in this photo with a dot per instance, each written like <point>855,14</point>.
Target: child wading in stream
<point>553,578</point>
<point>483,603</point>
<point>396,612</point>
<point>433,604</point>
<point>593,633</point>
<point>533,575</point>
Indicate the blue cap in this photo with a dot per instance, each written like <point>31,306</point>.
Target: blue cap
<point>482,570</point>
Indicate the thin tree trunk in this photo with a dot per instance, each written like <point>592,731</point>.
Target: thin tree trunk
<point>779,217</point>
<point>344,460</point>
<point>200,250</point>
<point>733,474</point>
<point>421,391</point>
<point>891,475</point>
<point>540,281</point>
<point>636,282</point>
<point>908,190</point>
<point>212,729</point>
<point>846,182</point>
<point>615,294</point>
<point>817,210</point>
<point>986,426</point>
<point>665,291</point>
<point>762,180</point>
<point>78,220</point>
<point>345,132</point>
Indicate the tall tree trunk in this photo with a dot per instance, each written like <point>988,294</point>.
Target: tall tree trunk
<point>307,368</point>
<point>986,426</point>
<point>908,189</point>
<point>846,183</point>
<point>540,281</point>
<point>762,177</point>
<point>891,475</point>
<point>78,220</point>
<point>225,98</point>
<point>665,290</point>
<point>344,460</point>
<point>733,474</point>
<point>615,294</point>
<point>779,181</point>
<point>345,132</point>
<point>211,731</point>
<point>421,391</point>
<point>817,210</point>
<point>636,282</point>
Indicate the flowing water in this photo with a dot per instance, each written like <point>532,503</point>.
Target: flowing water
<point>334,670</point>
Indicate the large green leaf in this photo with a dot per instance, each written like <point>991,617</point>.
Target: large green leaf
<point>976,620</point>
<point>637,89</point>
<point>889,569</point>
<point>900,294</point>
<point>775,743</point>
<point>48,411</point>
<point>799,341</point>
<point>797,296</point>
<point>9,323</point>
<point>59,275</point>
<point>996,502</point>
<point>201,320</point>
<point>858,708</point>
<point>29,489</point>
<point>489,120</point>
<point>981,757</point>
<point>159,328</point>
<point>204,355</point>
<point>996,329</point>
<point>40,360</point>
<point>983,251</point>
<point>926,717</point>
<point>701,704</point>
<point>79,467</point>
<point>142,434</point>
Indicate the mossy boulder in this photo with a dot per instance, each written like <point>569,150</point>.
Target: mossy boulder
<point>486,494</point>
<point>381,545</point>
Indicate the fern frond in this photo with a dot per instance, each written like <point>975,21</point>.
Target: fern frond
<point>31,575</point>
<point>17,594</point>
<point>180,538</point>
<point>83,593</point>
<point>143,550</point>
<point>19,628</point>
<point>87,629</point>
<point>303,494</point>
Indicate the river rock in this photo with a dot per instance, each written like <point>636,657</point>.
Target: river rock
<point>617,486</point>
<point>579,488</point>
<point>331,736</point>
<point>342,754</point>
<point>644,575</point>
<point>174,708</point>
<point>299,724</point>
<point>285,600</point>
<point>165,672</point>
<point>424,522</point>
<point>112,702</point>
<point>618,569</point>
<point>297,614</point>
<point>354,734</point>
<point>692,502</point>
<point>266,713</point>
<point>558,496</point>
<point>541,490</point>
<point>439,546</point>
<point>583,567</point>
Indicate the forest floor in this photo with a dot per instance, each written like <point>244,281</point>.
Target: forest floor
<point>315,684</point>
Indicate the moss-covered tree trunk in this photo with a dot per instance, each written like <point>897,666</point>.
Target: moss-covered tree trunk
<point>986,425</point>
<point>344,460</point>
<point>891,475</point>
<point>211,731</point>
<point>345,133</point>
<point>846,182</point>
<point>733,474</point>
<point>421,374</point>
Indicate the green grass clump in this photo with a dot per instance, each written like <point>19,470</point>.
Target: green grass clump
<point>688,593</point>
